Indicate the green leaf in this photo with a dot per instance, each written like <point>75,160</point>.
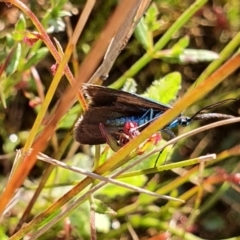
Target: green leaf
<point>187,56</point>
<point>179,47</point>
<point>152,13</point>
<point>9,40</point>
<point>21,23</point>
<point>130,86</point>
<point>173,55</point>
<point>102,208</point>
<point>146,222</point>
<point>12,67</point>
<point>2,233</point>
<point>19,28</point>
<point>112,191</point>
<point>151,18</point>
<point>67,121</point>
<point>164,155</point>
<point>2,97</point>
<point>17,36</point>
<point>36,58</point>
<point>193,55</point>
<point>165,89</point>
<point>141,34</point>
<point>103,156</point>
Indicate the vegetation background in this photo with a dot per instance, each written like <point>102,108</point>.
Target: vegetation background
<point>28,67</point>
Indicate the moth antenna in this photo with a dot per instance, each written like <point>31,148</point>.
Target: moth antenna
<point>213,106</point>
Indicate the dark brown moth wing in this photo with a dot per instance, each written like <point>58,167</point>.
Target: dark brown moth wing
<point>84,136</point>
<point>102,96</point>
<point>87,128</point>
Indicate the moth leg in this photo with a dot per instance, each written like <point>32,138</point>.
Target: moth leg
<point>169,133</point>
<point>123,139</point>
<point>129,132</point>
<point>111,141</point>
<point>146,113</point>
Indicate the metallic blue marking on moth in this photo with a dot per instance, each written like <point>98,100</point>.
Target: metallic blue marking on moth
<point>114,108</point>
<point>140,120</point>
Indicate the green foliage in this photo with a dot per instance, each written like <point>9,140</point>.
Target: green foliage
<point>37,56</point>
<point>146,27</point>
<point>2,233</point>
<point>12,67</point>
<point>165,89</point>
<point>19,28</point>
<point>180,46</point>
<point>195,56</point>
<point>113,191</point>
<point>141,33</point>
<point>130,86</point>
<point>101,208</point>
<point>152,18</point>
<point>67,121</point>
